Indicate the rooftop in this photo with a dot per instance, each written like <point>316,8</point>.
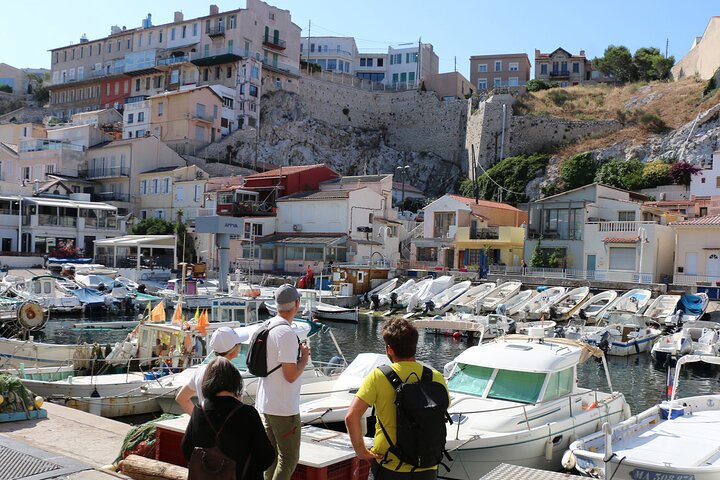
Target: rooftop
<point>713,220</point>
<point>284,171</point>
<point>470,202</point>
<point>321,195</point>
<point>344,180</point>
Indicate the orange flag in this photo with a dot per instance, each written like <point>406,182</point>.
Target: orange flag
<point>177,315</point>
<point>158,313</point>
<point>203,323</point>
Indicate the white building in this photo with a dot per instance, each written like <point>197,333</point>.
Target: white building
<point>334,54</point>
<point>407,66</point>
<point>706,183</point>
<point>136,119</point>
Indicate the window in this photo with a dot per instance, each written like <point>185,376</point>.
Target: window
<point>498,65</point>
<point>141,117</point>
<point>482,84</point>
<point>200,133</point>
<point>294,253</point>
<point>160,35</point>
<point>49,169</point>
<point>395,78</point>
<point>172,33</point>
<point>137,84</point>
<point>626,216</point>
<point>150,38</point>
<point>442,223</point>
<point>165,185</point>
<point>523,387</point>
<point>26,173</point>
<point>139,133</point>
<point>576,67</point>
<point>513,82</point>
<point>482,68</point>
<point>380,62</point>
<point>232,22</point>
<point>403,77</point>
<point>513,66</point>
<point>215,111</point>
<point>184,31</point>
<point>253,90</point>
<point>559,384</point>
<point>703,211</point>
<point>411,76</point>
<point>702,180</point>
<point>470,379</point>
<point>217,73</point>
<point>130,118</point>
<point>154,186</point>
<point>717,182</point>
<point>159,213</point>
<point>143,214</point>
<point>313,253</point>
<point>497,82</point>
<point>543,69</point>
<point>198,193</point>
<point>143,187</point>
<point>229,72</point>
<point>161,108</point>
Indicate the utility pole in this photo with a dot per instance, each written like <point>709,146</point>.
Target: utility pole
<point>455,68</point>
<point>308,49</point>
<point>419,70</point>
<point>667,44</point>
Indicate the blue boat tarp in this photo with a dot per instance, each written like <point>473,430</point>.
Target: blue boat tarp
<point>69,260</point>
<point>692,304</point>
<point>89,296</point>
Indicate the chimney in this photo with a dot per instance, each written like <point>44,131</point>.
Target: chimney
<point>147,22</point>
<point>582,53</point>
<point>114,29</point>
<point>214,10</point>
<point>537,53</point>
<point>179,17</point>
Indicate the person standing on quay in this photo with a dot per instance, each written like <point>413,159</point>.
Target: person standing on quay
<point>278,395</point>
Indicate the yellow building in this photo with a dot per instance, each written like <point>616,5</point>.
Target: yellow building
<point>186,119</point>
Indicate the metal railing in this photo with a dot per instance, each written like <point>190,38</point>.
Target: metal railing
<point>172,60</point>
<point>277,43</point>
<point>45,220</point>
<point>631,226</point>
<point>484,234</point>
<point>108,223</point>
<point>105,172</point>
<point>213,31</point>
<point>576,274</point>
<point>110,197</point>
<point>697,280</point>
<point>212,52</point>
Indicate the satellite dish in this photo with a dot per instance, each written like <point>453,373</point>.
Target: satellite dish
<point>31,316</point>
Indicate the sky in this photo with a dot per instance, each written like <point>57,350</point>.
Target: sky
<point>457,29</point>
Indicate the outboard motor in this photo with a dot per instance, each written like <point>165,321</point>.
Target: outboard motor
<point>429,307</point>
<point>604,344</point>
<point>582,314</point>
<point>552,312</point>
<point>375,300</point>
<point>511,328</point>
<point>559,331</point>
<point>101,287</point>
<point>141,288</point>
<point>501,309</point>
<point>393,299</point>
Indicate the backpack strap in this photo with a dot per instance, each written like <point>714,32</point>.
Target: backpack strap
<point>427,374</point>
<point>270,328</point>
<point>396,382</point>
<point>218,431</point>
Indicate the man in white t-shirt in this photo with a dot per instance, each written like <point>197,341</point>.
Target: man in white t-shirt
<point>278,395</point>
<point>225,342</point>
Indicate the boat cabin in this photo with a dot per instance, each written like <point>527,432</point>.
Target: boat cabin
<point>244,311</point>
<point>357,279</point>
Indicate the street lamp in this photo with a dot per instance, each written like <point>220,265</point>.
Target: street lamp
<point>402,171</point>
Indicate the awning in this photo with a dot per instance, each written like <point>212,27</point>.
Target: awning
<point>63,203</point>
<point>155,241</point>
<point>302,240</point>
<point>367,242</point>
<point>621,240</point>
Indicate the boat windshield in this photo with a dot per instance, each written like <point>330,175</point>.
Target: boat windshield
<point>510,385</point>
<point>623,318</point>
<point>238,361</point>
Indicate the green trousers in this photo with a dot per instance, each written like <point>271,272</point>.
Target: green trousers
<point>284,434</point>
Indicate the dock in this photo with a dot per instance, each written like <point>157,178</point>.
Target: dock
<point>67,444</point>
<point>505,471</point>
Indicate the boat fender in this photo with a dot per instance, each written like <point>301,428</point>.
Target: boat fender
<point>333,365</point>
<point>568,460</point>
<point>590,406</point>
<point>548,449</point>
<point>626,411</point>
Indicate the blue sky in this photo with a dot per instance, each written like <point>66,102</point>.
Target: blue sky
<point>456,28</point>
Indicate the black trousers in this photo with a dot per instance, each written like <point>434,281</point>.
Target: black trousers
<point>380,473</point>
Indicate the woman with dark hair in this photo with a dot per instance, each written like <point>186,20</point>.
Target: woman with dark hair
<point>239,431</point>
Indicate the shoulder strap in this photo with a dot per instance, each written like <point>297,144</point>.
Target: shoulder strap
<point>390,374</point>
<point>218,431</point>
<point>427,374</point>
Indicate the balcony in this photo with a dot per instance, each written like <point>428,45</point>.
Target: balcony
<point>165,62</point>
<point>560,74</point>
<point>111,197</point>
<point>274,43</point>
<point>106,172</point>
<point>214,56</point>
<point>45,220</point>
<point>243,209</point>
<point>535,233</point>
<point>108,223</point>
<point>215,31</point>
<point>620,226</point>
<point>37,145</point>
<point>201,117</point>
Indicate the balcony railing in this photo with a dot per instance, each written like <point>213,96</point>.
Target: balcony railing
<point>274,43</point>
<point>106,172</point>
<point>576,274</point>
<point>163,62</point>
<point>215,31</point>
<point>697,280</point>
<point>214,52</point>
<point>560,74</point>
<point>535,234</point>
<point>108,223</point>
<point>631,226</point>
<point>484,234</point>
<point>42,145</point>
<point>201,116</point>
<point>111,197</point>
<point>45,220</point>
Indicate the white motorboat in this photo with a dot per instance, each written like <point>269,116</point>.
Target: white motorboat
<point>568,303</point>
<point>539,304</point>
<point>516,400</point>
<point>326,311</point>
<point>422,295</point>
<point>515,304</point>
<point>499,295</point>
<point>312,306</point>
<point>391,298</point>
<point>689,308</point>
<point>700,337</point>
<point>43,290</point>
<point>331,399</point>
<point>441,302</point>
<point>467,302</point>
<point>383,289</point>
<point>662,307</point>
<point>621,334</point>
<point>592,308</point>
<point>632,301</point>
<point>673,440</point>
<point>197,293</point>
<point>166,387</point>
<point>468,324</point>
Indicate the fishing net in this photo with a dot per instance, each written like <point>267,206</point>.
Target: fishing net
<point>140,440</point>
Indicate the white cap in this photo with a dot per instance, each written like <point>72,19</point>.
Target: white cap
<point>224,339</point>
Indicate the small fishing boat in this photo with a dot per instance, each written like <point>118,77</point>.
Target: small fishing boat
<point>621,333</point>
<point>391,298</point>
<point>592,308</point>
<point>567,304</point>
<point>441,302</point>
<point>467,302</point>
<point>469,324</point>
<point>632,301</point>
<point>517,400</point>
<point>660,308</point>
<point>383,289</point>
<point>422,295</point>
<point>499,295</point>
<point>541,302</point>
<point>699,337</point>
<point>43,290</point>
<point>515,303</point>
<point>326,311</point>
<point>674,440</point>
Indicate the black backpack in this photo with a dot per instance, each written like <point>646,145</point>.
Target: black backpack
<point>421,415</point>
<point>256,358</point>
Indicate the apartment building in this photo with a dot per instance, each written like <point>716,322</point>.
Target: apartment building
<point>334,54</point>
<point>134,64</point>
<point>166,191</point>
<point>409,65</point>
<point>501,70</point>
<point>563,67</point>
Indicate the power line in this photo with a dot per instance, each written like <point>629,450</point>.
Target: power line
<point>386,42</point>
<point>497,184</point>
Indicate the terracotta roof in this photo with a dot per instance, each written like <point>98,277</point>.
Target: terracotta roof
<point>286,171</point>
<point>712,220</point>
<point>470,202</point>
<point>321,195</point>
<point>621,240</point>
<point>670,202</point>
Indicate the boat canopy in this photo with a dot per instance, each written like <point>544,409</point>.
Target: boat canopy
<point>692,304</point>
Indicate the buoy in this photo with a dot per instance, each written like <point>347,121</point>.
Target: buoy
<point>38,401</point>
<point>590,406</point>
<point>568,460</point>
<point>548,449</point>
<point>456,335</point>
<point>446,333</point>
<point>626,411</point>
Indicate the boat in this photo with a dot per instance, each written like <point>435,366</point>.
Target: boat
<point>43,290</point>
<point>567,304</point>
<point>540,303</point>
<point>673,440</point>
<point>621,333</point>
<point>660,308</point>
<point>326,403</point>
<point>467,302</point>
<point>592,308</point>
<point>197,293</point>
<point>699,337</point>
<point>689,308</point>
<point>326,311</point>
<point>312,306</point>
<point>390,298</point>
<point>166,387</point>
<point>632,301</point>
<point>517,400</point>
<point>373,296</point>
<point>487,326</point>
<point>498,295</point>
<point>93,278</point>
<point>403,297</point>
<point>424,294</point>
<point>441,302</point>
<point>515,303</point>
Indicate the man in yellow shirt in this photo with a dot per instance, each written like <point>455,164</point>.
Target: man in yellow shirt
<point>400,336</point>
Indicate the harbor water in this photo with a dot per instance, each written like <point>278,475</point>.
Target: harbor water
<point>634,376</point>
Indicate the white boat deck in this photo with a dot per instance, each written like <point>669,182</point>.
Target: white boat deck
<point>687,441</point>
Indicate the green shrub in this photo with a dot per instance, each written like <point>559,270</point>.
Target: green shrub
<point>578,171</point>
<point>6,88</point>
<point>710,86</point>
<point>537,85</point>
<point>559,97</point>
<point>652,123</point>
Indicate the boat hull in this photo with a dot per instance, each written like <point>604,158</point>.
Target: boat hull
<point>33,354</point>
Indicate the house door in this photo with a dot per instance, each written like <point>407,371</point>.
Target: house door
<point>691,263</point>
<point>712,267</point>
<point>7,244</point>
<point>590,265</point>
<point>449,258</point>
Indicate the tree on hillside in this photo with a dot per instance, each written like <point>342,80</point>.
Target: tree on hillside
<point>651,64</point>
<point>513,174</point>
<point>681,172</point>
<point>618,62</point>
<point>656,173</point>
<point>153,226</point>
<point>578,171</point>
<point>626,174</point>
